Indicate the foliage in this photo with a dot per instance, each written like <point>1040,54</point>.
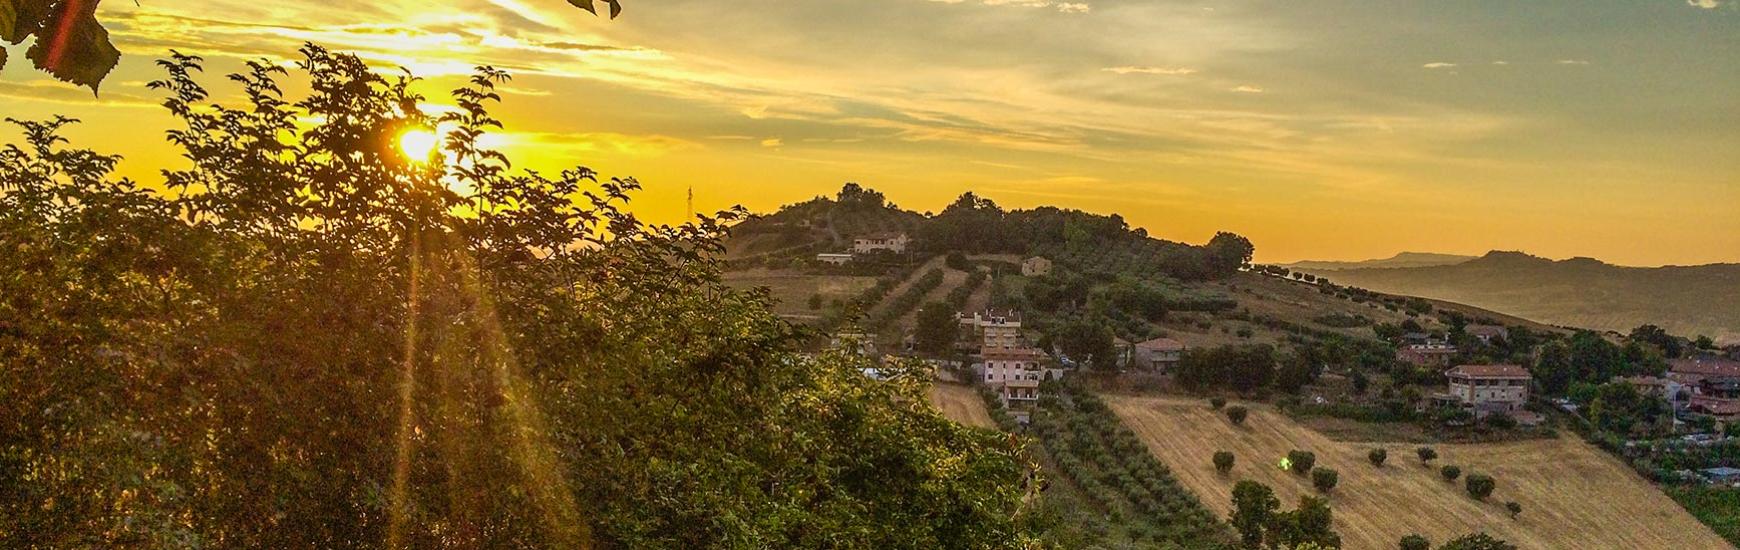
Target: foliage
<point>1477,541</point>
<point>1480,486</point>
<point>1237,414</point>
<point>1514,509</point>
<point>1217,402</point>
<point>1239,368</point>
<point>1414,542</point>
<point>936,328</point>
<point>1426,454</point>
<point>1377,456</point>
<point>1301,461</point>
<point>1223,461</point>
<point>1450,472</point>
<point>1717,507</point>
<point>1254,507</point>
<point>1310,525</point>
<point>312,341</point>
<point>1324,479</point>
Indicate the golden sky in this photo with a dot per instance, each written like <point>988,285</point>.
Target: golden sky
<point>1333,129</point>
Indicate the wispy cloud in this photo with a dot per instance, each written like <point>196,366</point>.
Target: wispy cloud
<point>1248,89</point>
<point>1438,65</point>
<point>1706,4</point>
<point>1130,69</point>
<point>1572,62</point>
<point>1064,7</point>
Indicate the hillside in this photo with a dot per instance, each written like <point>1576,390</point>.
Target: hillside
<point>1580,292</point>
<point>1404,259</point>
<point>1572,494</point>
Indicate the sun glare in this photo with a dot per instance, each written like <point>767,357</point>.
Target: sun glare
<point>418,144</point>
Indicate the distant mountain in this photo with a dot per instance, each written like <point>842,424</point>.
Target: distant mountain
<point>1580,292</point>
<point>1404,259</point>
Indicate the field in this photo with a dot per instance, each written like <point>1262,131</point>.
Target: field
<point>792,288</point>
<point>961,403</point>
<point>1573,495</point>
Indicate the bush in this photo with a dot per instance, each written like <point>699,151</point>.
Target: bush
<point>1236,414</point>
<point>1324,479</point>
<point>1301,461</point>
<point>1480,486</point>
<point>1217,402</point>
<point>1414,542</point>
<point>1514,509</point>
<point>1223,461</point>
<point>1477,541</point>
<point>1450,472</point>
<point>1377,457</point>
<point>1501,421</point>
<point>1427,454</point>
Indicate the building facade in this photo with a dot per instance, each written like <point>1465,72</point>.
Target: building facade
<point>892,242</point>
<point>1487,389</point>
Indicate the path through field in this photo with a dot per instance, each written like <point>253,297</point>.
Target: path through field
<point>1572,494</point>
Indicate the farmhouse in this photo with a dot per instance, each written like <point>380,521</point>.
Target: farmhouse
<point>995,330</point>
<point>892,242</point>
<point>1159,354</point>
<point>834,258</point>
<point>1035,266</point>
<point>1668,387</point>
<point>1725,410</point>
<point>1710,377</point>
<point>1002,365</point>
<point>1486,389</point>
<point>1427,355</point>
<point>1487,333</point>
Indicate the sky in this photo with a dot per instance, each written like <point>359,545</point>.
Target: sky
<point>1327,129</point>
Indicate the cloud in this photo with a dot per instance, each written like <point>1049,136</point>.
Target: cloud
<point>1074,7</point>
<point>1248,89</point>
<point>1572,62</point>
<point>1705,4</point>
<point>1501,62</point>
<point>772,143</point>
<point>1438,65</point>
<point>1130,69</point>
<point>1063,7</point>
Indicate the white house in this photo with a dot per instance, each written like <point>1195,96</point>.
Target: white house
<point>892,242</point>
<point>1486,389</point>
<point>995,330</point>
<point>834,258</point>
<point>1002,365</point>
<point>1035,266</point>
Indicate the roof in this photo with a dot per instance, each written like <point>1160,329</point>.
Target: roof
<point>1722,471</point>
<point>1011,354</point>
<point>1707,366</point>
<point>1491,371</point>
<point>1685,378</point>
<point>882,235</point>
<point>1021,383</point>
<point>1162,344</point>
<point>1716,406</point>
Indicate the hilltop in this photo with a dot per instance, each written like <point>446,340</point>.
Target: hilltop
<point>1402,259</point>
<point>1582,292</point>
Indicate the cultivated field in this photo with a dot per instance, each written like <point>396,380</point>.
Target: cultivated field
<point>960,403</point>
<point>1572,494</point>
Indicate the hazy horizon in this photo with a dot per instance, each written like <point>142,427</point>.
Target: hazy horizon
<point>1331,131</point>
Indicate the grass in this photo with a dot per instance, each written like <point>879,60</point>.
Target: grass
<point>1572,494</point>
<point>1716,506</point>
<point>961,403</point>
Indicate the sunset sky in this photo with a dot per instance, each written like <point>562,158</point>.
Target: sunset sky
<point>1331,129</point>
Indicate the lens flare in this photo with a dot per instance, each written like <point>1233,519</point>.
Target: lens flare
<point>419,144</point>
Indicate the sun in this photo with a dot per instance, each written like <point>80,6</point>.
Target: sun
<point>418,144</point>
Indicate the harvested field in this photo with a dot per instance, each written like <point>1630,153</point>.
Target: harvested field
<point>961,403</point>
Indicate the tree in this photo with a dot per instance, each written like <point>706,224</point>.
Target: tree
<point>857,197</point>
<point>815,301</point>
<point>1254,506</point>
<point>957,261</point>
<point>1654,335</point>
<point>1236,414</point>
<point>1427,454</point>
<point>1377,456</point>
<point>306,337</point>
<point>1301,461</point>
<point>1217,402</point>
<point>1553,368</point>
<point>936,328</point>
<point>1514,509</point>
<point>1704,343</point>
<point>74,47</point>
<point>1450,472</point>
<point>1360,383</point>
<point>1480,486</point>
<point>1223,461</point>
<point>1310,525</point>
<point>1414,542</point>
<point>1477,541</point>
<point>1228,252</point>
<point>1324,479</point>
<point>1088,341</point>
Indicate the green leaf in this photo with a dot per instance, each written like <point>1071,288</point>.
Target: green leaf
<point>73,47</point>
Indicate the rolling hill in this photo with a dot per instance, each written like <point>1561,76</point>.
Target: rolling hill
<point>1404,259</point>
<point>1580,292</point>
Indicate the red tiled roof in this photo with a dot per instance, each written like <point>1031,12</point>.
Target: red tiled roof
<point>1491,371</point>
<point>1705,366</point>
<point>1715,406</point>
<point>1162,344</point>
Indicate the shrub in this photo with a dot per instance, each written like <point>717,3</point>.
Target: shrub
<point>1501,421</point>
<point>1301,461</point>
<point>1480,486</point>
<point>1514,509</point>
<point>1324,479</point>
<point>1217,402</point>
<point>1427,454</point>
<point>1377,457</point>
<point>1450,472</point>
<point>1223,461</point>
<point>1236,414</point>
<point>1477,541</point>
<point>1414,542</point>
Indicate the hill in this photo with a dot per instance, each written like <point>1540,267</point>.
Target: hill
<point>1404,259</point>
<point>1572,494</point>
<point>1580,292</point>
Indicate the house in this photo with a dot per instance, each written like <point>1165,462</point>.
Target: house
<point>834,259</point>
<point>1427,355</point>
<point>1002,365</point>
<point>1725,410</point>
<point>1665,387</point>
<point>1487,389</point>
<point>1159,354</point>
<point>1422,339</point>
<point>1715,377</point>
<point>1018,391</point>
<point>1487,333</point>
<point>1126,351</point>
<point>995,330</point>
<point>892,242</point>
<point>1035,266</point>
